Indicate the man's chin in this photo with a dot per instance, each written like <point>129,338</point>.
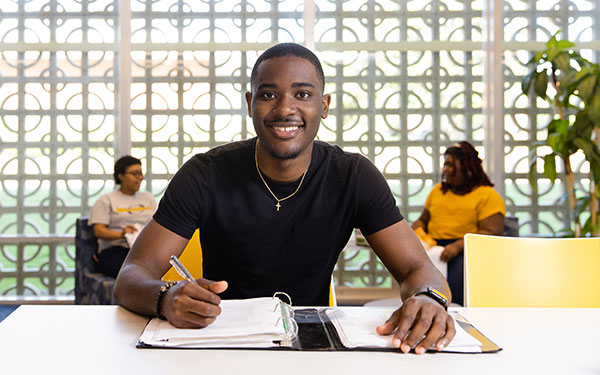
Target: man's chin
<point>285,154</point>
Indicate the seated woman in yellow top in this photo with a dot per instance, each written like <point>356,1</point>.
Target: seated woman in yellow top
<point>464,202</point>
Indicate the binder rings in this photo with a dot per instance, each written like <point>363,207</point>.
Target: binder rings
<point>270,323</point>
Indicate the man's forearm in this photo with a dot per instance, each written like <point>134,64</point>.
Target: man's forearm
<point>422,278</point>
<point>137,290</point>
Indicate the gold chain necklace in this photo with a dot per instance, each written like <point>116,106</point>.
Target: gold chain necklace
<point>278,205</point>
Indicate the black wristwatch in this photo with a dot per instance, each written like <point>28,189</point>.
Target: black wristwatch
<point>436,295</point>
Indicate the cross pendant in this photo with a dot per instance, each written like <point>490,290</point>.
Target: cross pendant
<point>278,206</point>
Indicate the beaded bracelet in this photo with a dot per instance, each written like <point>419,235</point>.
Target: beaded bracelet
<point>163,289</point>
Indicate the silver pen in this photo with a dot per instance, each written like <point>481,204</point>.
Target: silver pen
<point>180,268</point>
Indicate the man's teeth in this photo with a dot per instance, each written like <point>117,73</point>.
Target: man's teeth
<point>285,129</point>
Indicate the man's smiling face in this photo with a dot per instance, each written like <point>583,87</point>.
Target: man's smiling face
<point>286,105</point>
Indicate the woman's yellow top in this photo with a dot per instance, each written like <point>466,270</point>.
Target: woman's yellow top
<point>453,216</point>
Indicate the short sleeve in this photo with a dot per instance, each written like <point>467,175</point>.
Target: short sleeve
<point>492,204</point>
<point>376,204</point>
<point>100,212</point>
<point>179,209</point>
<point>436,190</point>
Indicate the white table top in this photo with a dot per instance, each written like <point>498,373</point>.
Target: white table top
<point>101,340</point>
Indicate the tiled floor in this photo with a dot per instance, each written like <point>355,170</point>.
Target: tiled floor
<point>5,310</point>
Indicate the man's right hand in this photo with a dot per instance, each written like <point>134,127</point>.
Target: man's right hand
<point>187,305</point>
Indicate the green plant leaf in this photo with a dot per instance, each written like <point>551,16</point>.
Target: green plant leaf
<point>582,127</point>
<point>586,87</point>
<point>541,85</point>
<point>566,86</point>
<point>532,169</point>
<point>558,125</point>
<point>554,140</point>
<point>595,168</point>
<point>564,44</point>
<point>584,71</point>
<point>581,61</point>
<point>588,227</point>
<point>558,135</point>
<point>552,48</point>
<point>593,108</point>
<point>537,57</point>
<point>589,148</point>
<point>552,42</point>
<point>527,80</point>
<point>592,155</point>
<point>550,167</point>
<point>563,61</point>
<point>580,205</point>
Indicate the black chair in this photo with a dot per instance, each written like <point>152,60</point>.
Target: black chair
<point>511,226</point>
<point>91,286</point>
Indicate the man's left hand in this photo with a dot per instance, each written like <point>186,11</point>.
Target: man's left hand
<point>420,323</point>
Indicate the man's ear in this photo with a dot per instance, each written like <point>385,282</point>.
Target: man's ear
<point>325,103</point>
<point>249,102</point>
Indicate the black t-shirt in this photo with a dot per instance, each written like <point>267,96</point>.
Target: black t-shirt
<point>259,250</point>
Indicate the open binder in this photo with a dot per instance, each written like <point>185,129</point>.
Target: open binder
<point>270,323</point>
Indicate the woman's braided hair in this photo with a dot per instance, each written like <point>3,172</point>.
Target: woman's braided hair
<point>470,164</point>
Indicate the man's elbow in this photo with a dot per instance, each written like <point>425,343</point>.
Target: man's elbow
<point>120,286</point>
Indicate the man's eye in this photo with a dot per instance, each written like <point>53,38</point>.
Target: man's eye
<point>267,95</point>
<point>304,94</point>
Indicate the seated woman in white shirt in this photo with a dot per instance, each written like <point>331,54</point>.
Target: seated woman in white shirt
<point>118,213</point>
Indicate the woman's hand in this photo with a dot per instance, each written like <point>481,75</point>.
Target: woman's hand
<point>451,250</point>
<point>128,229</point>
<point>493,225</point>
<point>102,231</point>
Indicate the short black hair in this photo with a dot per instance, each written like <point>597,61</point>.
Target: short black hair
<point>122,164</point>
<point>289,49</point>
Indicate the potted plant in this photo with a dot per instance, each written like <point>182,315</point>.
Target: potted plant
<point>571,84</point>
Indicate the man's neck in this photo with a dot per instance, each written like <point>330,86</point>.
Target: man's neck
<point>283,170</point>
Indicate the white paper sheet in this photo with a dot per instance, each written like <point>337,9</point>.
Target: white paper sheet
<point>242,323</point>
<point>131,236</point>
<point>356,328</point>
<point>434,254</point>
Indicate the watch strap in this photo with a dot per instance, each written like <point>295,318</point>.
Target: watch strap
<point>435,294</point>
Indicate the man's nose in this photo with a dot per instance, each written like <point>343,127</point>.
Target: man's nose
<point>285,106</point>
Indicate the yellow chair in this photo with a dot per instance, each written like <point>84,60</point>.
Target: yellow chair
<point>332,298</point>
<point>192,260</point>
<point>531,272</point>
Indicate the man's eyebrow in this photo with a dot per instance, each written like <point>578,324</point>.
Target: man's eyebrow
<point>303,84</point>
<point>266,85</point>
<point>274,85</point>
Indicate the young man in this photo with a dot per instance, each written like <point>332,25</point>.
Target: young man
<point>274,213</point>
